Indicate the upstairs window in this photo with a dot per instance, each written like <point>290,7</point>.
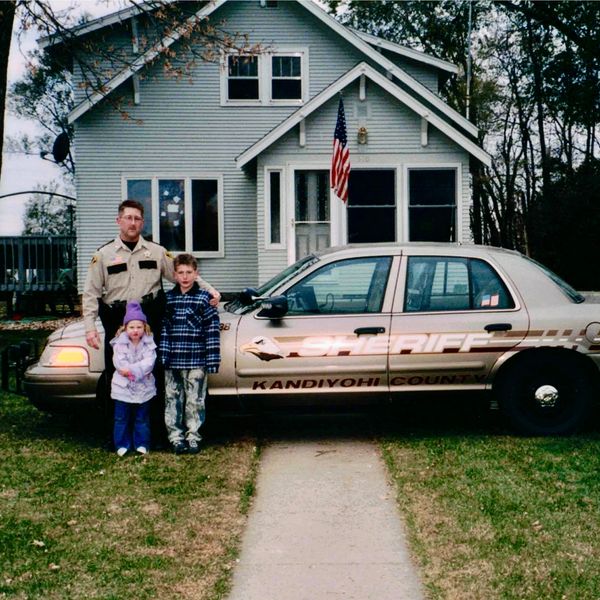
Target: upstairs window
<point>278,77</point>
<point>286,77</point>
<point>242,78</point>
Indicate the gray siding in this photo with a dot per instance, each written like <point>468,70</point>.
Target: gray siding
<point>180,129</point>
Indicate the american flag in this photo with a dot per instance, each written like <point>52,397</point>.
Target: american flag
<point>340,161</point>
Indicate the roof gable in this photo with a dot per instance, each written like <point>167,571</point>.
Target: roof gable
<point>347,34</point>
<point>335,88</point>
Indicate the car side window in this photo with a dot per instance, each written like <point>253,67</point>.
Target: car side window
<point>353,286</point>
<point>453,283</point>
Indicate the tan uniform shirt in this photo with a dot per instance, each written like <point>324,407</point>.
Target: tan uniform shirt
<point>117,273</point>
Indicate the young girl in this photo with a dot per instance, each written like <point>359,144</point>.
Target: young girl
<point>133,385</point>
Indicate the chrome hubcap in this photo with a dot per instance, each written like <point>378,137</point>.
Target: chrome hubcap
<point>546,396</point>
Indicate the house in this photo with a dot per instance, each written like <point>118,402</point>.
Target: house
<point>233,164</point>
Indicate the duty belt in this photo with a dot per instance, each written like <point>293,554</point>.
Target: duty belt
<point>123,303</point>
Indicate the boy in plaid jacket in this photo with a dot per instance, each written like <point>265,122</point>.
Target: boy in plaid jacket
<point>189,350</point>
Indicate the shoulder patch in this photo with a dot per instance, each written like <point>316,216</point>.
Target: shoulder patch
<point>169,254</point>
<point>94,259</point>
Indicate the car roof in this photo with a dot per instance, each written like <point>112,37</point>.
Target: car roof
<point>394,248</point>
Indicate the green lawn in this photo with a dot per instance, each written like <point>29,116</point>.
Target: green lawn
<point>492,515</point>
<point>76,521</point>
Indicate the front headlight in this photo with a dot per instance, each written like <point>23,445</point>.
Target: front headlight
<point>64,356</point>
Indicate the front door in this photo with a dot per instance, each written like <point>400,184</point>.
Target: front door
<point>312,221</point>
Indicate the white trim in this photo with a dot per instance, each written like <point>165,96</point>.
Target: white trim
<point>264,76</point>
<point>267,208</point>
<point>458,190</point>
<point>390,87</point>
<point>142,60</point>
<point>111,19</point>
<point>187,179</point>
<point>373,40</point>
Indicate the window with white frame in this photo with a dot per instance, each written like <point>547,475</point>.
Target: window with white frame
<point>278,77</point>
<point>432,197</point>
<point>242,78</point>
<point>183,214</point>
<point>274,209</point>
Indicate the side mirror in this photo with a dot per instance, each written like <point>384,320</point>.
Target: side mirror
<point>274,308</point>
<point>248,296</point>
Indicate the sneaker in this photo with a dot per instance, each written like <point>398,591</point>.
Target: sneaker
<point>141,450</point>
<point>122,451</point>
<point>193,447</point>
<point>180,448</point>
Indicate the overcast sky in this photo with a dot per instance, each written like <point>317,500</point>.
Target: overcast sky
<point>22,172</point>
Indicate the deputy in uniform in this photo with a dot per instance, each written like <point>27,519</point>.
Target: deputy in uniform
<point>127,268</point>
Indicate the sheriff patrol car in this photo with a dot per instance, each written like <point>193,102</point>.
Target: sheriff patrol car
<point>383,320</point>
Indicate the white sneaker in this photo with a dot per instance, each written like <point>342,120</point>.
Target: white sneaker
<point>122,451</point>
<point>141,450</point>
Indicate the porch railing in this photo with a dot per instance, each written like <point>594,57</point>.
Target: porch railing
<point>33,263</point>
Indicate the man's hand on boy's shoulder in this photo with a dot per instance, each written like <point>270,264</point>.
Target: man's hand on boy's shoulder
<point>215,298</point>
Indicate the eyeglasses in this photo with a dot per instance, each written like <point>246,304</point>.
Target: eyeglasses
<point>131,218</point>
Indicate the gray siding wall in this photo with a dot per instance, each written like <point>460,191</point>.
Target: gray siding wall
<point>180,129</point>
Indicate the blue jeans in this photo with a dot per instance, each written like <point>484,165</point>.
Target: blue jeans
<point>132,425</point>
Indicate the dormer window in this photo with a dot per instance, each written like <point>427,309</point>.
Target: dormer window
<point>279,77</point>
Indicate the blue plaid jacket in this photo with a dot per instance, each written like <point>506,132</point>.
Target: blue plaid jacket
<point>190,337</point>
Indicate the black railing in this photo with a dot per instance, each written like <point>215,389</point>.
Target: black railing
<point>33,263</point>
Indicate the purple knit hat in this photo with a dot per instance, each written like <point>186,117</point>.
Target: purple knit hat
<point>134,312</point>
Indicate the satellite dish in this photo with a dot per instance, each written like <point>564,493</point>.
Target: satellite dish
<point>60,148</point>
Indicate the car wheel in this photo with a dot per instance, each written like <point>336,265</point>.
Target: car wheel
<point>546,394</point>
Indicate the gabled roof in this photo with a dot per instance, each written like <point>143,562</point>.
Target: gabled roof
<point>335,88</point>
<point>373,40</point>
<point>346,33</point>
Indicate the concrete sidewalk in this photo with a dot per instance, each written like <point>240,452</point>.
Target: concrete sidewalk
<point>324,525</point>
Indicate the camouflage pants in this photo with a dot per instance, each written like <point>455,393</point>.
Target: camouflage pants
<point>185,390</point>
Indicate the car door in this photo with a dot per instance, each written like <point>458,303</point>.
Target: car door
<point>454,316</point>
<point>332,341</point>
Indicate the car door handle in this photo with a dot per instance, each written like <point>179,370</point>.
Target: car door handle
<point>369,330</point>
<point>498,327</point>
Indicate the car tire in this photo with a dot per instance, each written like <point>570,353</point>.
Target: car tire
<point>546,394</point>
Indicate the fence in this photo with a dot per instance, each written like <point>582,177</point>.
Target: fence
<point>37,267</point>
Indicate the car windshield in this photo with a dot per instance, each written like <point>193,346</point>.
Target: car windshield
<point>570,292</point>
<point>236,307</point>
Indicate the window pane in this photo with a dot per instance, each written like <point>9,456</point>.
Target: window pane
<point>141,191</point>
<point>437,283</point>
<point>286,66</point>
<point>489,291</point>
<point>243,78</point>
<point>432,224</point>
<point>205,215</point>
<point>171,199</point>
<point>243,66</point>
<point>286,89</point>
<point>369,225</point>
<point>275,207</point>
<point>354,286</point>
<point>372,187</point>
<point>431,187</point>
<point>243,89</point>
